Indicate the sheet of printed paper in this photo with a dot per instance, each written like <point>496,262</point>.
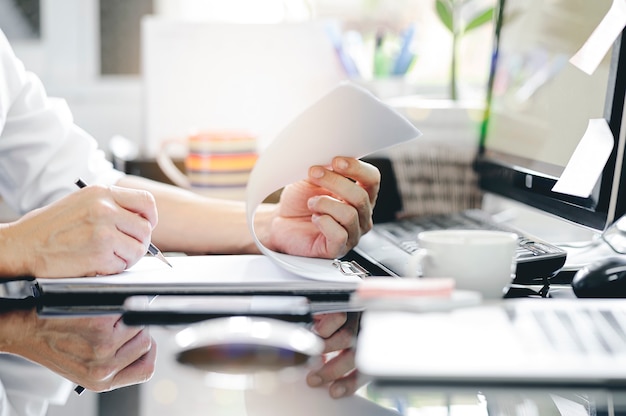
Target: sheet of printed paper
<point>601,39</point>
<point>587,161</point>
<point>348,121</point>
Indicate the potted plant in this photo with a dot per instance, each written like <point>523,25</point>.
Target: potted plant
<point>461,17</point>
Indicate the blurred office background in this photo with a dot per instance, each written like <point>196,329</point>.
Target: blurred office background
<point>93,54</point>
<point>90,52</point>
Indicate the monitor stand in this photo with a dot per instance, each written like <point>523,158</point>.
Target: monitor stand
<point>536,222</point>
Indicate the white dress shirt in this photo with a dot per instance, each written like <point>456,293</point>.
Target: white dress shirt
<point>42,153</point>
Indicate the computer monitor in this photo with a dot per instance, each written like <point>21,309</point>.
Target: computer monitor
<point>539,105</point>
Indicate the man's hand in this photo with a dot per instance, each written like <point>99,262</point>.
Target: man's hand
<point>96,230</point>
<point>326,215</point>
<point>338,371</point>
<point>98,353</point>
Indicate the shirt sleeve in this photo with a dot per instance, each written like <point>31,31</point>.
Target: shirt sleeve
<point>42,151</point>
<point>27,389</point>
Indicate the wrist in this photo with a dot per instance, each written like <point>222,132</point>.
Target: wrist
<point>13,261</point>
<point>14,329</point>
<point>263,219</point>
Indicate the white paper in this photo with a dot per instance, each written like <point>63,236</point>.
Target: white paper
<point>349,121</point>
<point>601,39</point>
<point>210,270</point>
<point>588,160</point>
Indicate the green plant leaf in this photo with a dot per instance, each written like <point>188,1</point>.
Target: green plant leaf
<point>481,19</point>
<point>444,11</point>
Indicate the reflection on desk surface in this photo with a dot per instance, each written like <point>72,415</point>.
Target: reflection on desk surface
<point>177,390</point>
<point>426,401</point>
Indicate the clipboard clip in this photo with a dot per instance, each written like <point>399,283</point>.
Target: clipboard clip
<point>350,268</point>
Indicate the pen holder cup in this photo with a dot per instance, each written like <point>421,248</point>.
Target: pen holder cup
<point>218,160</point>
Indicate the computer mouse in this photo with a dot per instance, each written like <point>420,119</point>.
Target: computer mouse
<point>605,278</point>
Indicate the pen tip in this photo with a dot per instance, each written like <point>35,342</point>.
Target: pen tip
<point>161,257</point>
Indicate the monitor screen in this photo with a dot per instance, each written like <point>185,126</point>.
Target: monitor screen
<point>539,106</point>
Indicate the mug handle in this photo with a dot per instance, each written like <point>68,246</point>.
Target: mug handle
<point>415,263</point>
<point>167,166</point>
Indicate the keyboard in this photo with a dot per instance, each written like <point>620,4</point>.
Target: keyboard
<point>389,244</point>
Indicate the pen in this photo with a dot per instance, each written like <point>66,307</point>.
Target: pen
<point>152,249</point>
<point>405,57</point>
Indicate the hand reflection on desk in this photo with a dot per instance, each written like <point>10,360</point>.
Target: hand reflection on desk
<point>239,347</point>
<point>338,370</point>
<point>298,396</point>
<point>99,353</point>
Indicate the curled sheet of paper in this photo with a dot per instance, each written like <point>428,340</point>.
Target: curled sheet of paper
<point>601,39</point>
<point>348,121</point>
<point>587,161</point>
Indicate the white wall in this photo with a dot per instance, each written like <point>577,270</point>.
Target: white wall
<point>67,60</point>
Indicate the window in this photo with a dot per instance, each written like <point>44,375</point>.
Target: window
<point>19,19</point>
<point>120,37</point>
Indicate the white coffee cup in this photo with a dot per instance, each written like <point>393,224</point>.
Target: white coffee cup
<point>478,260</point>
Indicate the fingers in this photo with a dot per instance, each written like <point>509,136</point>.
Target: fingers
<point>136,201</point>
<point>340,235</point>
<point>337,329</point>
<point>339,373</point>
<point>135,347</point>
<point>133,213</point>
<point>133,362</point>
<point>126,356</point>
<point>345,386</point>
<point>351,181</point>
<point>325,324</point>
<point>365,174</point>
<point>124,219</point>
<point>139,370</point>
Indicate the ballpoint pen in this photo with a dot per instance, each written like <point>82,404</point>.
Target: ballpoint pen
<point>152,249</point>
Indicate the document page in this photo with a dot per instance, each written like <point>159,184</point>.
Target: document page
<point>348,121</point>
<point>210,271</point>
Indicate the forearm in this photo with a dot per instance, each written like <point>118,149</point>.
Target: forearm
<point>195,224</point>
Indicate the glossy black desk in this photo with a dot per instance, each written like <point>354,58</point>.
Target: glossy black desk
<point>177,389</point>
<point>180,390</point>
